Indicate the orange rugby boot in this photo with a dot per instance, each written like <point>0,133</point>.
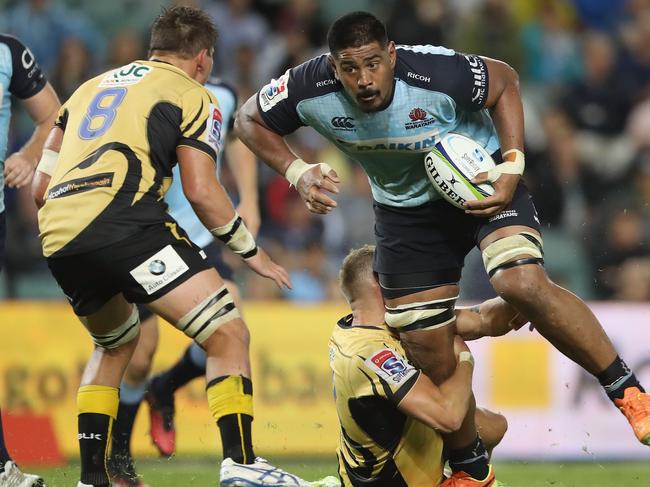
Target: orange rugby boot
<point>635,405</point>
<point>462,479</point>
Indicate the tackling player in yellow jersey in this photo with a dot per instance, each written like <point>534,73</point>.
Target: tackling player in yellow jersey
<point>109,241</point>
<point>391,414</point>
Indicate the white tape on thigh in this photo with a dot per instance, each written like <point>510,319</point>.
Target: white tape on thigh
<point>505,249</point>
<point>421,315</point>
<point>121,335</point>
<point>216,310</point>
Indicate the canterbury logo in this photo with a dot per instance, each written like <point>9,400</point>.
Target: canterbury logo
<point>343,122</point>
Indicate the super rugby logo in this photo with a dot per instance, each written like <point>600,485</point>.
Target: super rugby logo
<point>214,123</point>
<point>390,366</point>
<point>274,92</point>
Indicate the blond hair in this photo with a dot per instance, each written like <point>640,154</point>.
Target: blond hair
<point>356,271</point>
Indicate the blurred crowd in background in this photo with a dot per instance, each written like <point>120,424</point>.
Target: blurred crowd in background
<point>584,68</point>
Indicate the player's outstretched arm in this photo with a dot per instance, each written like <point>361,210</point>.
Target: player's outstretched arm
<point>215,210</point>
<point>42,108</point>
<point>504,102</point>
<point>492,318</point>
<point>311,180</point>
<point>443,407</point>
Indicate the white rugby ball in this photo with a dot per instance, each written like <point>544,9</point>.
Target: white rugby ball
<point>453,163</point>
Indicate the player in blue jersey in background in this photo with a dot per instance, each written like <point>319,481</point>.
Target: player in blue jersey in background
<point>160,390</point>
<point>386,106</point>
<point>21,77</point>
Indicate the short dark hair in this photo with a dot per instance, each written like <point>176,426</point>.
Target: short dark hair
<point>356,271</point>
<point>183,31</point>
<point>356,29</point>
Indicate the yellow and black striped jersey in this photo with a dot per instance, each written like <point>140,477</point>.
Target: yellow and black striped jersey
<point>379,445</point>
<point>121,131</point>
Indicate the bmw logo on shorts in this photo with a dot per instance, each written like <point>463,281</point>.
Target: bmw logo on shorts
<point>157,267</point>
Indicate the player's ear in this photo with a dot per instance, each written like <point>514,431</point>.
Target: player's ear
<point>330,59</point>
<point>392,53</point>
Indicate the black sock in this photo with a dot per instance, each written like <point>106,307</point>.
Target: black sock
<point>472,459</point>
<point>122,429</point>
<point>616,378</point>
<point>94,429</point>
<point>236,437</point>
<point>4,454</point>
<point>179,374</point>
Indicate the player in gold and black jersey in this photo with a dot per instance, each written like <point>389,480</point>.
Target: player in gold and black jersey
<point>109,241</point>
<point>391,414</point>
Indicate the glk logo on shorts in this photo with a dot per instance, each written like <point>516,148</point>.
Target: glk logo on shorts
<point>159,270</point>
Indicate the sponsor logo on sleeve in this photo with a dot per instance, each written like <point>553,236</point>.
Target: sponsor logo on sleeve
<point>159,270</point>
<point>273,93</point>
<point>213,129</point>
<point>479,72</point>
<point>390,366</point>
<point>126,75</point>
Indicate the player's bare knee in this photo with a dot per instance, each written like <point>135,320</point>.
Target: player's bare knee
<point>521,285</point>
<point>209,316</point>
<point>123,336</point>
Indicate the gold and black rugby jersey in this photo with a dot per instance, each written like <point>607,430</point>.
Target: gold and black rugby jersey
<point>379,446</point>
<point>121,131</point>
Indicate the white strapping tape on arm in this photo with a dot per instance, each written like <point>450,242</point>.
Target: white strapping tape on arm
<point>514,162</point>
<point>47,164</point>
<point>466,356</point>
<point>298,167</point>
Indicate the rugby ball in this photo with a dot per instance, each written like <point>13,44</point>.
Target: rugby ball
<point>453,163</point>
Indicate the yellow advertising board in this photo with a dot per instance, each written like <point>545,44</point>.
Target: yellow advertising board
<point>44,349</point>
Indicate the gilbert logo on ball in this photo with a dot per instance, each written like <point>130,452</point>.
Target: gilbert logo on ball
<point>453,163</point>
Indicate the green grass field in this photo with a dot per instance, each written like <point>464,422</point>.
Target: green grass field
<point>180,473</point>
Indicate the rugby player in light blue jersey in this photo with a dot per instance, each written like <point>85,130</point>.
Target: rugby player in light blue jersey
<point>21,77</point>
<point>161,388</point>
<point>386,106</point>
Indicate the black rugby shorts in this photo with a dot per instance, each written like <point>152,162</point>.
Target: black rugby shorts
<point>425,246</point>
<point>143,267</point>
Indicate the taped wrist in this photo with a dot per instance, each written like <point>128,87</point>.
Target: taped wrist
<point>466,356</point>
<point>298,167</point>
<point>514,162</point>
<point>47,164</point>
<point>237,237</point>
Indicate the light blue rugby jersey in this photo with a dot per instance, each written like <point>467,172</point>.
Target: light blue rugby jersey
<point>20,76</point>
<point>437,91</point>
<point>179,208</point>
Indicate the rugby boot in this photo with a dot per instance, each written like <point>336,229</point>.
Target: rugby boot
<point>635,405</point>
<point>161,420</point>
<point>14,477</point>
<point>258,474</point>
<point>462,479</point>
